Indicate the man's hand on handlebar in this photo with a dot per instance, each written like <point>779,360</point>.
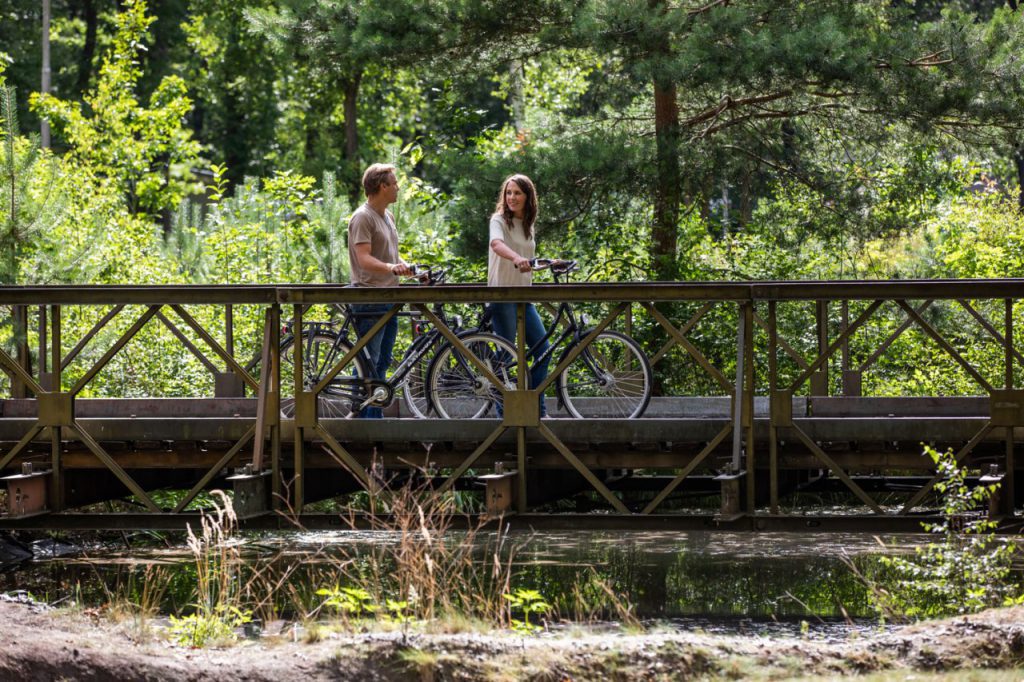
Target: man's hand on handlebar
<point>402,270</point>
<point>425,274</point>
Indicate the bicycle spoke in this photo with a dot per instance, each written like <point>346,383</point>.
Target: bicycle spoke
<point>321,350</point>
<point>458,389</point>
<point>611,378</point>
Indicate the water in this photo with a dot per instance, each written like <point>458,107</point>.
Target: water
<point>698,580</point>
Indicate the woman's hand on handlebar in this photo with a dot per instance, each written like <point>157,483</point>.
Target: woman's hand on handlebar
<point>556,264</point>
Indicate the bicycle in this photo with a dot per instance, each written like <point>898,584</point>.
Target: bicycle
<point>610,378</point>
<point>353,388</point>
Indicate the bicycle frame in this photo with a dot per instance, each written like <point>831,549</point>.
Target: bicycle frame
<point>343,332</point>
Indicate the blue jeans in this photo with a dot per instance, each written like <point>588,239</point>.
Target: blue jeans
<point>503,317</point>
<point>379,348</point>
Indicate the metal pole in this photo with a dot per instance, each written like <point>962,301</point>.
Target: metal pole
<point>44,127</point>
<point>1008,487</point>
<point>748,402</point>
<point>773,381</point>
<point>298,487</point>
<point>56,465</point>
<point>821,317</point>
<point>737,403</point>
<point>275,421</point>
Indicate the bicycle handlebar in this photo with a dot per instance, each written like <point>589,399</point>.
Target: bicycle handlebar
<point>428,275</point>
<point>558,266</point>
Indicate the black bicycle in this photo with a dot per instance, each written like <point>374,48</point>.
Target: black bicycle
<point>610,378</point>
<point>353,388</point>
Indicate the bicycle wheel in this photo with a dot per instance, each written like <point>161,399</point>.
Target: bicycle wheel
<point>320,352</point>
<point>414,388</point>
<point>458,389</point>
<point>611,378</point>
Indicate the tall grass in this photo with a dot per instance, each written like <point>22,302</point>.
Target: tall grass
<point>219,607</point>
<point>427,565</point>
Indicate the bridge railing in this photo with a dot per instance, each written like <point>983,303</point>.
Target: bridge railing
<point>782,360</point>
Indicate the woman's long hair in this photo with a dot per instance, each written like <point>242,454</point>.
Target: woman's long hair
<point>529,210</point>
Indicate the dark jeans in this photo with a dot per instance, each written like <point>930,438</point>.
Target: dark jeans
<point>503,316</point>
<point>379,348</point>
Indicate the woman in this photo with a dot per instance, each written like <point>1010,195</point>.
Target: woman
<point>508,264</point>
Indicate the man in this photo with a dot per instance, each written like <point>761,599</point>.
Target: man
<point>374,262</point>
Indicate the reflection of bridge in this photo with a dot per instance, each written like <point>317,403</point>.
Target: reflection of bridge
<point>804,369</point>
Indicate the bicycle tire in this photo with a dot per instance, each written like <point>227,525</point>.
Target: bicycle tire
<point>621,389</point>
<point>321,351</point>
<point>457,389</point>
<point>414,388</point>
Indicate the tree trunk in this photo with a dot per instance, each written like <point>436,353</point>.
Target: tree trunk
<point>667,185</point>
<point>351,109</point>
<point>88,10</point>
<point>1018,161</point>
<point>667,190</point>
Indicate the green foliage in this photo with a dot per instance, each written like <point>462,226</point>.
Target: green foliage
<point>967,571</point>
<point>979,236</point>
<point>354,602</point>
<point>201,629</point>
<point>144,152</point>
<point>527,602</point>
<point>236,81</point>
<point>35,197</point>
<point>260,234</point>
<point>328,234</point>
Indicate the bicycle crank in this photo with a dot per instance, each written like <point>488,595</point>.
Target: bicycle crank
<point>381,392</point>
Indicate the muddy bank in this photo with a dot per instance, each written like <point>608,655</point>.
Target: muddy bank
<point>43,644</point>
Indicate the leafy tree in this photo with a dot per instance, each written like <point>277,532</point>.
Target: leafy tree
<point>238,86</point>
<point>758,84</point>
<point>37,199</point>
<point>356,48</point>
<point>75,35</point>
<point>146,152</point>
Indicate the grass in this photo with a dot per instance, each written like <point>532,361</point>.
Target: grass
<point>429,570</point>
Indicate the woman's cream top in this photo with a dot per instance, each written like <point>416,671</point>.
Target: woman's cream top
<point>501,271</point>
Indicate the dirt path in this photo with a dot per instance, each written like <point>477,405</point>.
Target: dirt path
<point>43,644</point>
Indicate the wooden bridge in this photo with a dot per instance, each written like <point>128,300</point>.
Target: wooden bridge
<point>779,406</point>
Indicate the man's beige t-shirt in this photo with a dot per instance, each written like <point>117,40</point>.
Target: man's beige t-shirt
<point>366,226</point>
<point>501,271</point>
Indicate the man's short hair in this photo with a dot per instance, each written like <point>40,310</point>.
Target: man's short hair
<point>375,176</point>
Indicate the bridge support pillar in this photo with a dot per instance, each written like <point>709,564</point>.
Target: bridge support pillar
<point>27,492</point>
<point>731,503</point>
<point>993,477</point>
<point>252,492</point>
<point>499,491</point>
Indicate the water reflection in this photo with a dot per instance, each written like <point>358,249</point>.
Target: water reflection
<point>591,575</point>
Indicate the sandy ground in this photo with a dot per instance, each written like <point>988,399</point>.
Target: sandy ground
<point>44,644</point>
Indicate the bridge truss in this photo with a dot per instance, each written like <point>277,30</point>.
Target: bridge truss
<point>780,405</point>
